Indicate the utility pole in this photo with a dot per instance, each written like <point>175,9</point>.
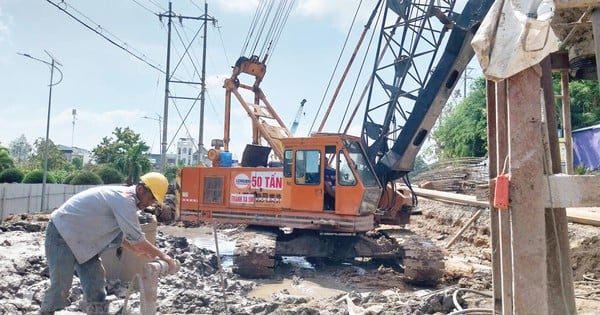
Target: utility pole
<point>205,18</point>
<point>170,15</point>
<point>163,144</point>
<point>53,65</point>
<point>74,112</point>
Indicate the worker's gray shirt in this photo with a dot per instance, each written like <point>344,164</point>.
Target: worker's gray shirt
<point>93,219</point>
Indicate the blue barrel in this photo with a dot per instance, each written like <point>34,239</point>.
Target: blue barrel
<point>225,159</point>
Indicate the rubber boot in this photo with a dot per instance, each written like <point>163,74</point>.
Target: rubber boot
<point>97,308</point>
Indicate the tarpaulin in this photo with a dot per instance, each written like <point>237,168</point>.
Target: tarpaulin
<point>514,35</point>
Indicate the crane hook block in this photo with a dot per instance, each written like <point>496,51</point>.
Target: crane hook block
<point>501,199</point>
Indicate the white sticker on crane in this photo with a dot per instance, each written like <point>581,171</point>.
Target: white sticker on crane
<point>267,180</point>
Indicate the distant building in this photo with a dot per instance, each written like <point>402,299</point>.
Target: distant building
<point>185,151</point>
<point>186,155</point>
<point>71,152</point>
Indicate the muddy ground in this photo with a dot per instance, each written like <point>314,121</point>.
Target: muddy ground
<point>357,287</point>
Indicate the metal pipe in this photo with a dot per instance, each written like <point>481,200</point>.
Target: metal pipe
<point>149,284</point>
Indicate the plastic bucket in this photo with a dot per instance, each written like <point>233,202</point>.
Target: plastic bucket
<point>225,159</point>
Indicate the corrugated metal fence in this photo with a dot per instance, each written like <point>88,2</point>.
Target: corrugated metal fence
<point>27,198</point>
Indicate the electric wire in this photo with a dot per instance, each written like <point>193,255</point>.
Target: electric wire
<point>366,54</point>
<point>223,46</point>
<point>144,7</point>
<point>196,5</point>
<point>124,46</point>
<point>99,30</point>
<point>183,119</point>
<point>157,4</point>
<point>186,52</point>
<point>337,63</point>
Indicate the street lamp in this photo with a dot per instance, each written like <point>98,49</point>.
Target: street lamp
<point>53,66</point>
<point>159,120</point>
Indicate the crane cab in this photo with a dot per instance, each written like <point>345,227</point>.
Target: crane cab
<point>291,196</point>
<point>328,173</point>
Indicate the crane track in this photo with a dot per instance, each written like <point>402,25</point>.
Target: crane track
<point>254,254</point>
<point>422,260</point>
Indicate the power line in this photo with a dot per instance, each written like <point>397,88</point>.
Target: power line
<point>98,30</point>
<point>144,7</point>
<point>170,15</point>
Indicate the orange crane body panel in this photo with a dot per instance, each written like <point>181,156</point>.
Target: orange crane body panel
<point>274,196</point>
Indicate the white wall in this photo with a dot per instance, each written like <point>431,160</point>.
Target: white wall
<point>27,198</point>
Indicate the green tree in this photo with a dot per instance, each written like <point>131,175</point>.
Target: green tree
<point>6,161</point>
<point>585,102</point>
<point>20,149</point>
<point>127,153</point>
<point>77,162</point>
<point>86,178</point>
<point>463,131</point>
<point>109,174</point>
<point>56,158</point>
<point>37,176</point>
<point>11,175</point>
<point>171,172</point>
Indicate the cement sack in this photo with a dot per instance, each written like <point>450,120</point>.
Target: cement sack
<point>514,35</point>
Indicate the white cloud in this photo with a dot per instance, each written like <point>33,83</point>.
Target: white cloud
<point>340,12</point>
<point>238,5</point>
<point>5,40</point>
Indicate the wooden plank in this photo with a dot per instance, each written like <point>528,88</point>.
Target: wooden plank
<point>492,104</point>
<point>529,265</point>
<point>571,191</point>
<point>450,197</point>
<point>504,217</point>
<point>566,4</point>
<point>589,216</point>
<point>560,275</point>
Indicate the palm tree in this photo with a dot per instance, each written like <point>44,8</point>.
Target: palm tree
<point>134,162</point>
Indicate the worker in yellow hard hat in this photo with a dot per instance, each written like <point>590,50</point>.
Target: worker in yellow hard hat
<point>87,224</point>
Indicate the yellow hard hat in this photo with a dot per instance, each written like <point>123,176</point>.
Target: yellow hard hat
<point>157,183</point>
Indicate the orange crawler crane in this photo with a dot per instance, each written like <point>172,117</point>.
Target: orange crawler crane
<point>338,196</point>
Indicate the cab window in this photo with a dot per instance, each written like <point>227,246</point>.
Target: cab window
<point>345,175</point>
<point>287,163</point>
<point>308,167</point>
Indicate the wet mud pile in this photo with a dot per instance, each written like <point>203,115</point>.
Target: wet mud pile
<point>198,287</point>
<point>360,287</point>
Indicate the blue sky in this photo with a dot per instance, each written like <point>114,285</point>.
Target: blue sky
<point>109,88</point>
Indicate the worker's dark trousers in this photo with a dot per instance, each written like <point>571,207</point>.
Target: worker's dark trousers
<point>62,264</point>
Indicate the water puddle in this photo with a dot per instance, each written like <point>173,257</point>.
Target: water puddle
<point>203,238</point>
<point>320,288</point>
<point>304,288</point>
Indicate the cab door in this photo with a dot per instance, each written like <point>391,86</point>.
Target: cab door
<point>348,190</point>
<point>307,187</point>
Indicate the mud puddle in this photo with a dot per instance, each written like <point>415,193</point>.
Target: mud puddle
<point>203,238</point>
<point>303,288</point>
<point>296,267</point>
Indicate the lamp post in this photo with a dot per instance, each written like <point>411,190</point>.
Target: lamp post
<point>53,66</point>
<point>159,120</point>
